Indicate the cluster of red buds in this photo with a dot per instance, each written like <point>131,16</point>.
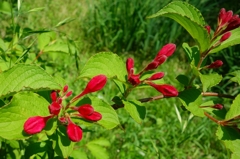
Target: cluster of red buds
<point>36,124</point>
<point>226,22</point>
<point>163,54</point>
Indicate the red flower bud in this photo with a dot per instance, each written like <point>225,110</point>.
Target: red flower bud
<point>63,120</point>
<point>233,23</point>
<point>218,106</point>
<point>69,94</point>
<point>53,96</point>
<point>156,76</point>
<point>208,28</point>
<point>166,90</point>
<point>74,132</point>
<point>54,108</point>
<point>35,124</point>
<point>225,36</point>
<point>95,116</point>
<point>134,79</point>
<point>129,65</point>
<point>85,109</point>
<point>95,84</point>
<point>216,64</point>
<point>167,50</point>
<point>156,62</point>
<point>224,17</point>
<point>65,88</point>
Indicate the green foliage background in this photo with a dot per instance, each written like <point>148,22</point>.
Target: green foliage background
<point>121,26</point>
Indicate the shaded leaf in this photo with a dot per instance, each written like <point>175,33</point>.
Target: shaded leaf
<point>192,99</point>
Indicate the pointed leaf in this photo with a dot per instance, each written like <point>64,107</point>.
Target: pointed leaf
<point>234,109</point>
<point>231,139</point>
<point>234,39</point>
<point>183,79</point>
<point>106,63</point>
<point>136,110</point>
<point>192,53</point>
<point>209,80</point>
<point>97,151</point>
<point>192,99</point>
<point>236,77</point>
<point>25,77</point>
<point>190,18</point>
<point>13,115</point>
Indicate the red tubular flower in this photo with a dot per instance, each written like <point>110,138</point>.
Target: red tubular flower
<point>54,108</point>
<point>85,109</point>
<point>65,88</point>
<point>134,79</point>
<point>35,124</point>
<point>53,96</point>
<point>156,76</point>
<point>95,84</point>
<point>224,17</point>
<point>74,132</point>
<point>166,90</point>
<point>156,62</point>
<point>218,106</point>
<point>87,112</point>
<point>129,65</point>
<point>225,36</point>
<point>233,23</point>
<point>216,64</point>
<point>167,50</point>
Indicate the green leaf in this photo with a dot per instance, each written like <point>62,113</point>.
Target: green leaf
<point>97,150</point>
<point>40,149</point>
<point>234,109</point>
<point>36,9</point>
<point>23,77</point>
<point>79,154</point>
<point>106,63</point>
<point>234,39</point>
<point>109,64</point>
<point>209,80</point>
<point>183,79</point>
<point>231,139</point>
<point>57,47</point>
<point>43,40</point>
<point>61,143</point>
<point>65,21</point>
<point>101,142</point>
<point>109,116</point>
<point>13,115</point>
<point>192,99</point>
<point>190,18</point>
<point>5,7</point>
<point>236,77</point>
<point>136,110</point>
<point>192,53</point>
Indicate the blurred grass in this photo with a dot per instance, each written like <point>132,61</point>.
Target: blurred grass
<point>121,26</point>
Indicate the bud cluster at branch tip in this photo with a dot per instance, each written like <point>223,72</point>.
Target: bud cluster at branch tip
<point>134,79</point>
<point>57,110</point>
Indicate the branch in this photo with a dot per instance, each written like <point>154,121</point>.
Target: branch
<point>218,95</point>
